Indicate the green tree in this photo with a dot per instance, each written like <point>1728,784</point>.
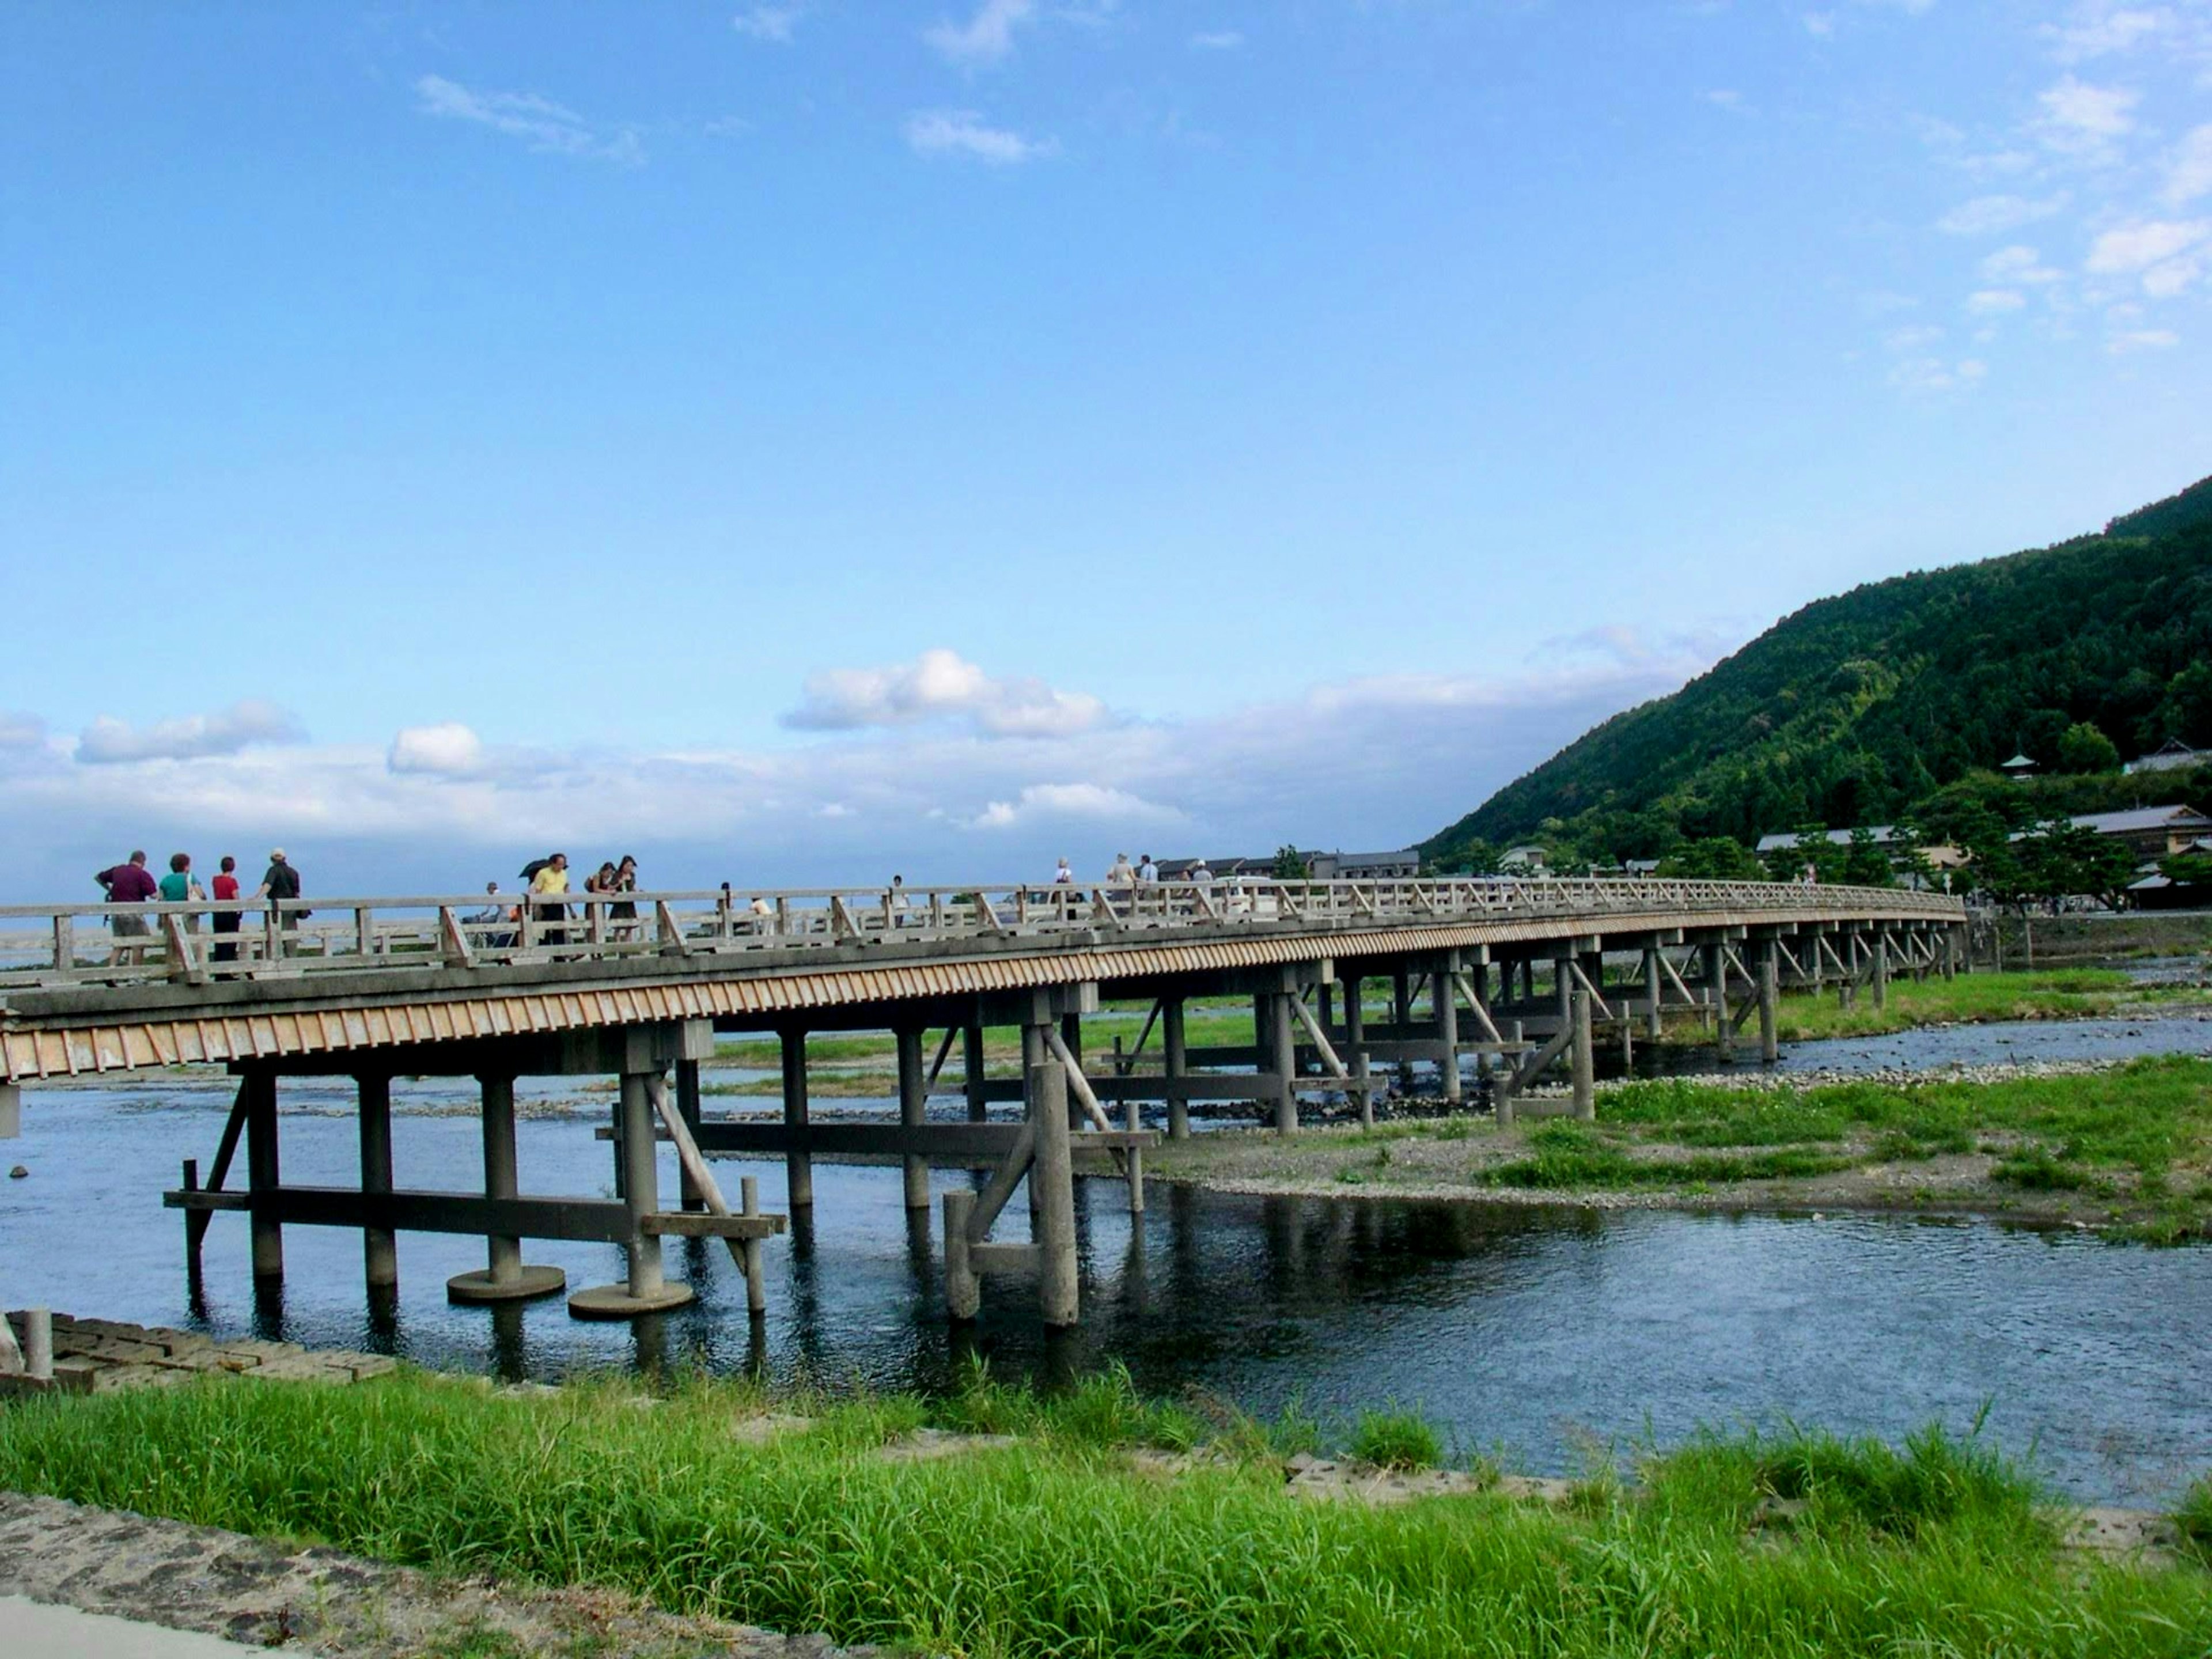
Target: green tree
<point>1866,861</point>
<point>1291,864</point>
<point>2083,748</point>
<point>1717,858</point>
<point>1473,858</point>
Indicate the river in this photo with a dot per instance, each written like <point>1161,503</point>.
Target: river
<point>1538,1335</point>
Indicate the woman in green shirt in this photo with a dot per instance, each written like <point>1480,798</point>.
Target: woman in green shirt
<point>178,885</point>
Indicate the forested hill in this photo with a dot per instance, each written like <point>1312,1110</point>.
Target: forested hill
<point>1858,710</point>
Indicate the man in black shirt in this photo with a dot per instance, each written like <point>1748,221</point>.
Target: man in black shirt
<point>282,881</point>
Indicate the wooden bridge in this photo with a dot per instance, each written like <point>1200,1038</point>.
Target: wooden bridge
<point>1520,976</point>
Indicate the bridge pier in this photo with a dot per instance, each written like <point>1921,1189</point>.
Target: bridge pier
<point>1355,1038</point>
<point>798,1163</point>
<point>1282,1060</point>
<point>973,1071</point>
<point>1176,1061</point>
<point>378,1245</point>
<point>912,1085</point>
<point>1769,971</point>
<point>645,1290</point>
<point>1582,1067</point>
<point>1443,998</point>
<point>504,1277</point>
<point>687,1107</point>
<point>262,1176</point>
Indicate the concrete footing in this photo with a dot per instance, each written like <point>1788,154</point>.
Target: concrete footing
<point>620,1302</point>
<point>482,1287</point>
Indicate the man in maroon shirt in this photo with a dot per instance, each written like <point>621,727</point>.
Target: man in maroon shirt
<point>128,883</point>
<point>227,921</point>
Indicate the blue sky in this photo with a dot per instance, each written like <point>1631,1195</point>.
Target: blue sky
<point>794,441</point>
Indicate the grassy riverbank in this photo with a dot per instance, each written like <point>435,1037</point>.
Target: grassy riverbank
<point>2127,1147</point>
<point>1063,1543</point>
<point>1979,999</point>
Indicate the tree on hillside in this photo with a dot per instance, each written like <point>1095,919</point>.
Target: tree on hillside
<point>2063,859</point>
<point>1291,864</point>
<point>1717,858</point>
<point>2083,748</point>
<point>1474,858</point>
<point>1866,861</point>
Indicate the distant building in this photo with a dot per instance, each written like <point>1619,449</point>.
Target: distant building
<point>1365,866</point>
<point>2167,757</point>
<point>1522,858</point>
<point>2018,766</point>
<point>1884,836</point>
<point>2154,832</point>
<point>1326,867</point>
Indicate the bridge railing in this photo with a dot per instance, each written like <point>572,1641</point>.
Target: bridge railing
<point>202,941</point>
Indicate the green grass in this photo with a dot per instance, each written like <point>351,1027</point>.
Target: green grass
<point>1395,1440</point>
<point>1054,1547</point>
<point>1575,1157</point>
<point>1975,999</point>
<point>2194,1520</point>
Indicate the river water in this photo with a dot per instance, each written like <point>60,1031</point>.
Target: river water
<point>1538,1334</point>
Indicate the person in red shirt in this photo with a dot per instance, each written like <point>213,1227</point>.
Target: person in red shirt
<point>226,921</point>
<point>128,883</point>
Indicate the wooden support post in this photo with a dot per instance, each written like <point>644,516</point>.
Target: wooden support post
<point>641,1158</point>
<point>1563,990</point>
<point>1654,992</point>
<point>1583,1065</point>
<point>1881,969</point>
<point>972,1071</point>
<point>196,1221</point>
<point>798,1164</point>
<point>503,1277</point>
<point>1178,1066</point>
<point>262,1174</point>
<point>645,1290</point>
<point>912,1100</point>
<point>961,1293</point>
<point>1053,1175</point>
<point>380,1252</point>
<point>1355,1043</point>
<point>1717,984</point>
<point>756,1285</point>
<point>1401,1016</point>
<point>1286,1053</point>
<point>1769,973</point>
<point>38,1344</point>
<point>1444,997</point>
<point>687,1107</point>
<point>503,1256</point>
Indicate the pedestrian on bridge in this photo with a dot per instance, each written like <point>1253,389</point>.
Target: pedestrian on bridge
<point>625,911</point>
<point>552,878</point>
<point>127,883</point>
<point>180,886</point>
<point>227,921</point>
<point>278,883</point>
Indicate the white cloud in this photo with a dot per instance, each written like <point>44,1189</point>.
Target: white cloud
<point>985,38</point>
<point>1408,753</point>
<point>542,124</point>
<point>2137,248</point>
<point>1074,800</point>
<point>2018,265</point>
<point>21,731</point>
<point>2141,339</point>
<point>1993,302</point>
<point>1928,374</point>
<point>2189,170</point>
<point>1820,25</point>
<point>941,685</point>
<point>1217,40</point>
<point>1725,98</point>
<point>109,742</point>
<point>773,23</point>
<point>2082,120</point>
<point>1986,215</point>
<point>448,749</point>
<point>961,133</point>
<point>2101,32</point>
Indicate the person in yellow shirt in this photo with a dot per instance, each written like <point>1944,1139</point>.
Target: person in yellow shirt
<point>552,878</point>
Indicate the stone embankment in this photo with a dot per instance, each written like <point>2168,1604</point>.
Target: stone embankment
<point>98,1356</point>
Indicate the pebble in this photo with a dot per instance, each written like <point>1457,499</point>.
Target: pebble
<point>18,1173</point>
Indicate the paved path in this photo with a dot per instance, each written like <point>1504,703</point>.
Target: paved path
<point>55,1633</point>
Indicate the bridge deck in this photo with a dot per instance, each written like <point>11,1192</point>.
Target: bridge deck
<point>291,984</point>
